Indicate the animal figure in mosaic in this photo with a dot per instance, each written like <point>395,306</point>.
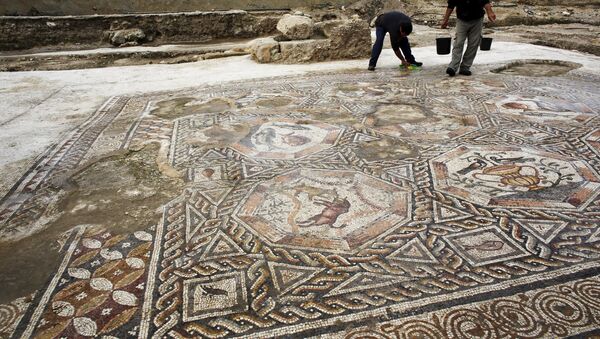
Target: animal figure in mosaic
<point>295,140</point>
<point>496,160</point>
<point>513,175</point>
<point>488,245</point>
<point>507,171</point>
<point>329,214</point>
<point>500,160</point>
<point>546,104</point>
<point>477,164</point>
<point>211,291</point>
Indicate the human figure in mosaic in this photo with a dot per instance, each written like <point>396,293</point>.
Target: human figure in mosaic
<point>469,27</point>
<point>399,26</point>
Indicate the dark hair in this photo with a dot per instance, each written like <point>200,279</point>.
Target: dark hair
<point>406,27</point>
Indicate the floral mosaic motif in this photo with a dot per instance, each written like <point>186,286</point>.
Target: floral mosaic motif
<point>504,176</point>
<point>338,210</point>
<point>101,288</point>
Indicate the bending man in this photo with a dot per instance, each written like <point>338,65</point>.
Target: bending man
<point>469,26</point>
<point>399,26</point>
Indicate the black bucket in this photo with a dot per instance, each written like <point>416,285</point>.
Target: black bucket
<point>443,45</point>
<point>486,44</point>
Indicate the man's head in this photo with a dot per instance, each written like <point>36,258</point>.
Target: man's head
<point>405,29</point>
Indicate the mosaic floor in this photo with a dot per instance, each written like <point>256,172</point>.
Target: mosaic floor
<point>345,205</point>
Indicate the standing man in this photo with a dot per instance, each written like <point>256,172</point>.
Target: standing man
<point>469,26</point>
<point>399,26</point>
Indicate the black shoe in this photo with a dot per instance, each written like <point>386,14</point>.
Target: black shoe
<point>465,72</point>
<point>416,63</point>
<point>371,68</point>
<point>450,72</point>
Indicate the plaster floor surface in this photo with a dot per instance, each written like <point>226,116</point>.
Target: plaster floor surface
<point>229,199</point>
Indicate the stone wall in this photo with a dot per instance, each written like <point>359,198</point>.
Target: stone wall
<point>88,7</point>
<point>331,40</point>
<point>94,31</point>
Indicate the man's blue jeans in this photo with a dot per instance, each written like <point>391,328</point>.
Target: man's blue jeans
<point>380,33</point>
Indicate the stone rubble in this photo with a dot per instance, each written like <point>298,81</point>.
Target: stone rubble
<point>295,27</point>
<point>130,37</point>
<point>327,40</point>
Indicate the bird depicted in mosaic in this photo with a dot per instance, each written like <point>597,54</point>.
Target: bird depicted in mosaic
<point>211,291</point>
<point>487,246</point>
<point>477,164</point>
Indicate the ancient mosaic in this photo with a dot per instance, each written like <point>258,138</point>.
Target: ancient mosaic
<point>346,204</point>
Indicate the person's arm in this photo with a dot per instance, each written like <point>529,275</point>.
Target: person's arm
<point>446,17</point>
<point>400,56</point>
<point>394,40</point>
<point>449,11</point>
<point>490,13</point>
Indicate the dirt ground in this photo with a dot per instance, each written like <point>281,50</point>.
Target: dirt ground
<point>571,25</point>
<point>573,36</point>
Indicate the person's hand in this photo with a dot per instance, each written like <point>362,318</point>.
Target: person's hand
<point>444,24</point>
<point>492,16</point>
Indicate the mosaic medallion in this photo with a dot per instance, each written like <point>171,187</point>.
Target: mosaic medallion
<point>513,177</point>
<point>287,140</point>
<point>335,210</point>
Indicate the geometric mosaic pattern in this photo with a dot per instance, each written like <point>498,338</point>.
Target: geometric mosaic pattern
<point>558,311</point>
<point>354,205</point>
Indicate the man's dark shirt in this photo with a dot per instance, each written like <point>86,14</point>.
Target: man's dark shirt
<point>391,21</point>
<point>467,10</point>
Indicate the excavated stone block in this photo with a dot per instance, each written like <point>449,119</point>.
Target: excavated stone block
<point>295,27</point>
<point>347,39</point>
<point>325,27</point>
<point>305,50</point>
<point>265,50</point>
<point>127,36</point>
